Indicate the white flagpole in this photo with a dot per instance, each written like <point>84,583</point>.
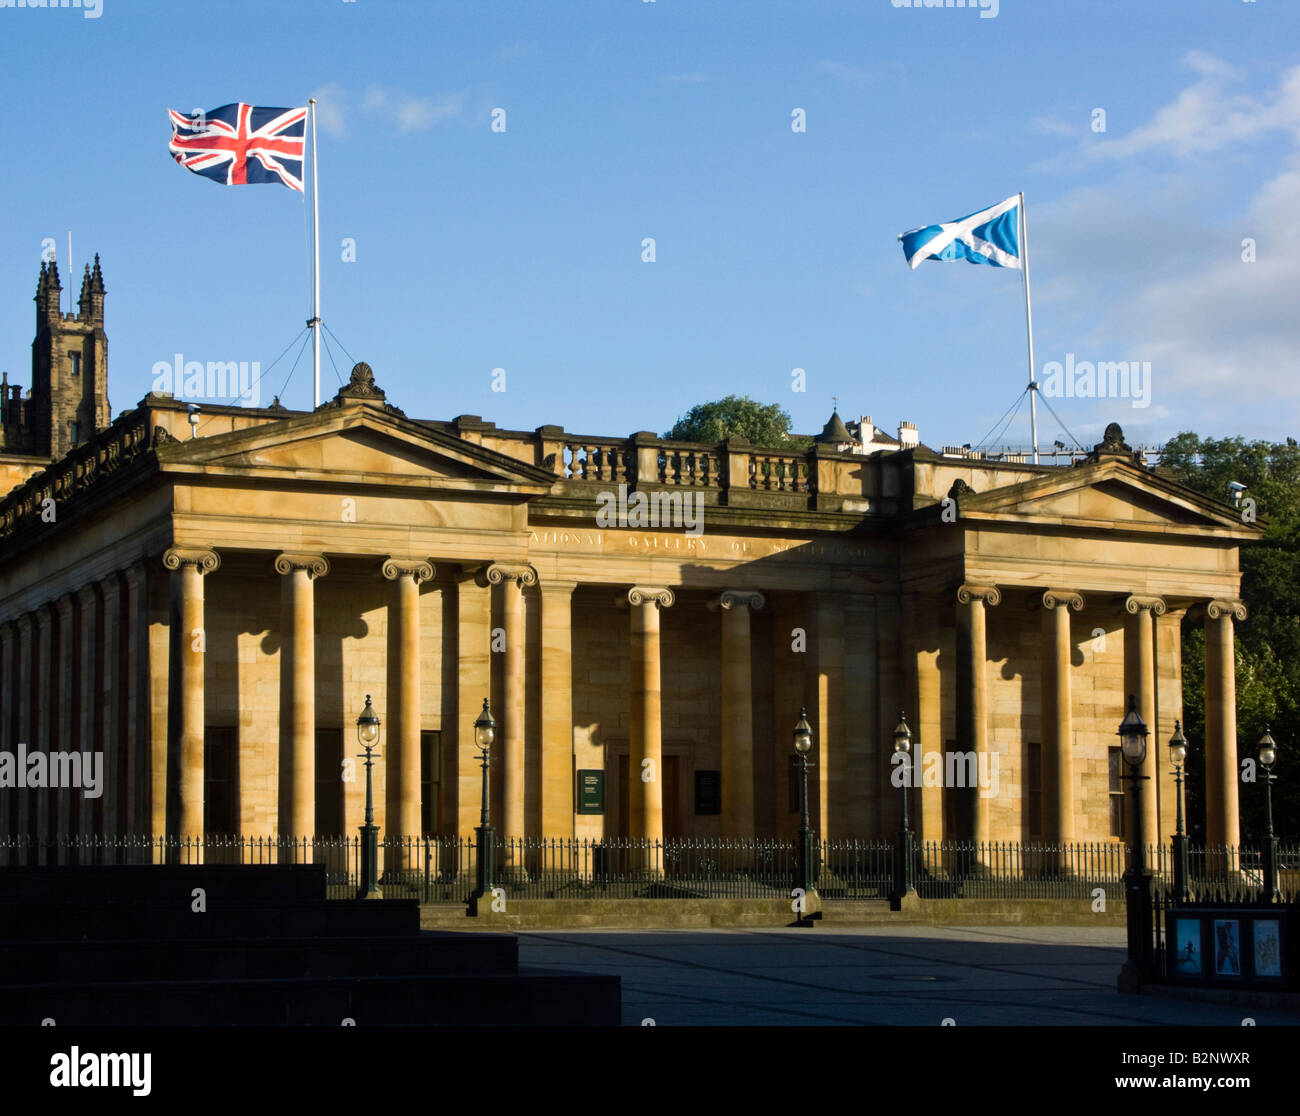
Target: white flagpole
<point>315,262</point>
<point>1029,325</point>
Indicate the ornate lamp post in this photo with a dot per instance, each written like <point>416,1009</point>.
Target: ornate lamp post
<point>1178,754</point>
<point>1268,757</point>
<point>1138,968</point>
<point>368,737</point>
<point>485,734</point>
<point>906,857</point>
<point>806,872</point>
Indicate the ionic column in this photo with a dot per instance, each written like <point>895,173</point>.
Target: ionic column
<point>557,806</point>
<point>89,812</point>
<point>45,695</point>
<point>297,814</point>
<point>1222,821</point>
<point>188,567</point>
<point>1140,681</point>
<point>116,773</point>
<point>645,794</point>
<point>1058,722</point>
<point>512,579</point>
<point>737,711</point>
<point>65,715</point>
<point>24,730</point>
<point>403,768</point>
<point>972,693</point>
<point>8,745</point>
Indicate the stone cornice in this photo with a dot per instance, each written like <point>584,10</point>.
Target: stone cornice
<point>1215,610</point>
<point>205,561</point>
<point>1135,604</point>
<point>989,594</point>
<point>316,565</point>
<point>417,568</point>
<point>499,573</point>
<point>742,598</point>
<point>1067,598</point>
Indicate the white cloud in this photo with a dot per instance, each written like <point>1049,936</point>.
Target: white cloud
<point>406,113</point>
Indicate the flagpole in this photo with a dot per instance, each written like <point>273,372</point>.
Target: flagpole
<point>315,262</point>
<point>1029,324</point>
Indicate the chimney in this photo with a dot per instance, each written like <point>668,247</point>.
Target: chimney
<point>907,435</point>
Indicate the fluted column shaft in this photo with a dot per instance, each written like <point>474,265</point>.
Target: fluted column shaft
<point>737,712</point>
<point>1058,721</point>
<point>188,568</point>
<point>403,771</point>
<point>972,694</point>
<point>1140,681</point>
<point>1222,820</point>
<point>297,814</point>
<point>645,742</point>
<point>512,579</point>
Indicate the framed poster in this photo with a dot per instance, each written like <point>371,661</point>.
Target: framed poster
<point>1189,952</point>
<point>591,791</point>
<point>1266,951</point>
<point>1227,947</point>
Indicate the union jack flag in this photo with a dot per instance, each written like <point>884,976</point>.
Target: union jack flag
<point>239,144</point>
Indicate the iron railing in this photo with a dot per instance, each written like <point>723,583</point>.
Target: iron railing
<point>441,869</point>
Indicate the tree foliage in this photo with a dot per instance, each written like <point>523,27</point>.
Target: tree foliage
<point>738,416</point>
<point>1268,641</point>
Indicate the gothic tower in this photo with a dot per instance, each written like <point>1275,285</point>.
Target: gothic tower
<point>69,396</point>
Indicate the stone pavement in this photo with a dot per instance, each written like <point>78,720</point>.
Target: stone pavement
<point>914,976</point>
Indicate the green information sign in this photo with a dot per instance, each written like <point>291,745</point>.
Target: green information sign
<point>591,792</point>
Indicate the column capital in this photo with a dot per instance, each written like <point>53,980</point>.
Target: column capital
<point>394,569</point>
<point>1063,598</point>
<point>63,605</point>
<point>738,598</point>
<point>990,594</point>
<point>316,565</point>
<point>23,625</point>
<point>8,632</point>
<point>87,592</point>
<point>204,561</point>
<point>499,573</point>
<point>646,594</point>
<point>1217,609</point>
<point>1135,604</point>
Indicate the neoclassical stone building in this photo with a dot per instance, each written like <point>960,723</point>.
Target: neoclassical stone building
<point>210,613</point>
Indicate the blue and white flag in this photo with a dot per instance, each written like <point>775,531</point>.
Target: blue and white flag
<point>991,236</point>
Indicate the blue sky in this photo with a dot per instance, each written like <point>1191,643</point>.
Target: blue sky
<point>774,249</point>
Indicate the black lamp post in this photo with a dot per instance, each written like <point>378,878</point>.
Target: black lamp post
<point>806,871</point>
<point>485,733</point>
<point>1178,753</point>
<point>1268,757</point>
<point>368,737</point>
<point>1138,968</point>
<point>905,857</point>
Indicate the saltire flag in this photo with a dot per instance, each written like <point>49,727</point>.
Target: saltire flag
<point>991,236</point>
<point>241,144</point>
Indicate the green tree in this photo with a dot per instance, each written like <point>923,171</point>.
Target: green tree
<point>1268,641</point>
<point>738,416</point>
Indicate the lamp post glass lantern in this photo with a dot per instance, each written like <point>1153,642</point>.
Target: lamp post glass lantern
<point>805,873</point>
<point>368,737</point>
<point>1267,758</point>
<point>485,734</point>
<point>1178,755</point>
<point>1140,965</point>
<point>904,879</point>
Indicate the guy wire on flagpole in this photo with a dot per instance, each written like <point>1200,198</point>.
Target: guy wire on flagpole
<point>1029,322</point>
<point>314,324</point>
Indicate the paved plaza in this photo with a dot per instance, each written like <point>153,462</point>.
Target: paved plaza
<point>906,976</point>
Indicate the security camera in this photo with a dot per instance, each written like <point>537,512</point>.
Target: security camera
<point>1236,488</point>
<point>194,420</point>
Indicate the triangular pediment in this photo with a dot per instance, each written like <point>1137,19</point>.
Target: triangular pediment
<point>356,444</point>
<point>1106,494</point>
